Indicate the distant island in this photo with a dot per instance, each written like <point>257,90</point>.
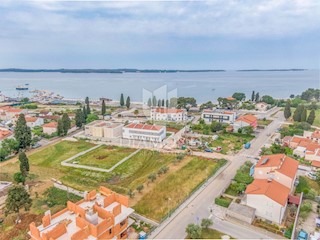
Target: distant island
<point>120,70</point>
<point>272,70</point>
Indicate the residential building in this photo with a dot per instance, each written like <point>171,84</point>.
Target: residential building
<point>145,132</point>
<point>34,121</point>
<point>103,215</point>
<point>262,106</point>
<point>4,133</point>
<point>103,129</point>
<point>50,128</point>
<point>274,177</point>
<point>315,136</point>
<point>8,113</point>
<point>269,198</point>
<point>169,114</point>
<point>245,121</point>
<point>222,116</point>
<point>277,167</point>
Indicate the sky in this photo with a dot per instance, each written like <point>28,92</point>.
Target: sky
<point>214,34</point>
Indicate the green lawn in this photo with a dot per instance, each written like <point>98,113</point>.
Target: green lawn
<point>230,142</point>
<point>211,234</point>
<point>306,184</point>
<point>104,156</point>
<point>173,190</point>
<point>317,120</point>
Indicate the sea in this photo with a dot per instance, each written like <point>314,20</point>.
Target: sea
<point>204,86</point>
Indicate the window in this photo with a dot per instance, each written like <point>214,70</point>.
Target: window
<point>110,230</point>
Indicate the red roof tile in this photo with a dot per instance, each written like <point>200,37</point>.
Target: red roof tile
<point>144,126</point>
<point>168,110</point>
<point>50,125</point>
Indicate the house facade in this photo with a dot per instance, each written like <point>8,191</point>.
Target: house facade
<point>245,121</point>
<point>8,113</point>
<point>100,215</point>
<point>144,132</point>
<point>209,115</point>
<point>34,121</point>
<point>169,114</point>
<point>50,128</point>
<point>103,129</point>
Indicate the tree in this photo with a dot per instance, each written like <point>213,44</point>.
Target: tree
<point>206,223</point>
<point>304,115</point>
<point>257,98</point>
<point>311,117</point>
<point>92,117</point>
<point>246,130</point>
<point>162,103</point>
<point>159,103</point>
<point>10,145</point>
<point>154,101</point>
<point>268,99</point>
<point>152,177</point>
<point>140,188</point>
<point>149,102</point>
<point>239,96</point>
<point>291,96</point>
<point>128,102</point>
<point>17,198</point>
<point>130,193</point>
<point>3,154</point>
<point>121,100</point>
<point>60,131</point>
<point>287,110</point>
<point>297,113</point>
<point>87,101</point>
<point>85,114</point>
<point>79,118</point>
<point>66,124</point>
<point>24,164</point>
<point>167,103</point>
<point>136,112</point>
<point>22,132</point>
<point>19,178</point>
<point>253,96</point>
<point>194,231</point>
<point>216,126</point>
<point>103,108</point>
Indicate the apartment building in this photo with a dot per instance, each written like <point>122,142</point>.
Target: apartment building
<point>103,129</point>
<point>222,116</point>
<point>274,177</point>
<point>100,215</point>
<point>169,114</point>
<point>144,132</point>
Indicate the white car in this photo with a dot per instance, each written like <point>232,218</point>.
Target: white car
<point>311,175</point>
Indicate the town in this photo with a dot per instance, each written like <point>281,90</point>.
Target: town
<point>244,167</point>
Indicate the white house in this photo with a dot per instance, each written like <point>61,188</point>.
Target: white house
<point>50,128</point>
<point>34,121</point>
<point>8,113</point>
<point>209,115</point>
<point>138,131</point>
<point>169,114</point>
<point>262,106</point>
<point>269,198</point>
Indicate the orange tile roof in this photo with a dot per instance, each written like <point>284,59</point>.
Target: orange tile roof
<point>50,125</point>
<point>283,164</point>
<point>168,110</point>
<point>4,133</point>
<point>247,118</point>
<point>312,147</point>
<point>144,126</point>
<point>11,109</point>
<point>272,189</point>
<point>230,98</point>
<point>316,134</point>
<point>31,119</point>
<point>297,139</point>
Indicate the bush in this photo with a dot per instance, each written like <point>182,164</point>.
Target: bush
<point>243,178</point>
<point>223,202</point>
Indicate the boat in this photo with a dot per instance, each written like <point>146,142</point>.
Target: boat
<point>21,88</point>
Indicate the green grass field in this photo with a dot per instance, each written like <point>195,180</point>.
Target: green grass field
<point>173,190</point>
<point>211,234</point>
<point>104,156</point>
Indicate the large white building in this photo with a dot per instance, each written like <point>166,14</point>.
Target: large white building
<point>169,114</point>
<point>222,116</point>
<point>103,129</point>
<point>145,132</point>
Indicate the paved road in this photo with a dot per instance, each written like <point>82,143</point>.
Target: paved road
<point>174,227</point>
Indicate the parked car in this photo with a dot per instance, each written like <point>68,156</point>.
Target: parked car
<point>311,175</point>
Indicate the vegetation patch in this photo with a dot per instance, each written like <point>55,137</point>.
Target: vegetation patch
<point>223,201</point>
<point>168,194</point>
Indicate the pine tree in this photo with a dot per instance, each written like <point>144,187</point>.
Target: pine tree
<point>304,115</point>
<point>253,96</point>
<point>22,132</point>
<point>121,100</point>
<point>103,108</point>
<point>287,110</point>
<point>257,97</point>
<point>154,101</point>
<point>79,118</point>
<point>17,198</point>
<point>311,117</point>
<point>128,102</point>
<point>87,101</point>
<point>24,164</point>
<point>66,124</point>
<point>85,114</point>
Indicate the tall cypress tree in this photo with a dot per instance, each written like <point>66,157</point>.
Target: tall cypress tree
<point>103,108</point>
<point>162,103</point>
<point>22,132</point>
<point>257,97</point>
<point>311,117</point>
<point>297,113</point>
<point>79,118</point>
<point>304,115</point>
<point>149,102</point>
<point>60,131</point>
<point>66,124</point>
<point>159,103</point>
<point>121,100</point>
<point>167,103</point>
<point>154,101</point>
<point>287,110</point>
<point>85,114</point>
<point>24,164</point>
<point>128,102</point>
<point>87,101</point>
<point>253,96</point>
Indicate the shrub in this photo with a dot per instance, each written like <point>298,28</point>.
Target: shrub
<point>222,202</point>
